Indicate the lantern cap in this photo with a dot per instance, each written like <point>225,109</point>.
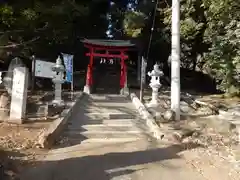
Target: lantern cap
<point>156,71</point>
<point>58,67</point>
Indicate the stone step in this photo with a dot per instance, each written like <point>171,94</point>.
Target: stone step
<point>110,115</point>
<point>106,127</point>
<point>108,122</point>
<point>102,135</point>
<point>109,140</point>
<point>97,139</point>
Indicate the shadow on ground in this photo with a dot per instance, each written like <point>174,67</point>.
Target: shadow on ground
<point>10,164</point>
<point>106,166</point>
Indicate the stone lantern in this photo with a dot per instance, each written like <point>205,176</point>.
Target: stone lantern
<point>58,80</point>
<point>155,84</point>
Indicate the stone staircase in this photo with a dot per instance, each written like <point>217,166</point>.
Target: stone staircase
<point>105,119</point>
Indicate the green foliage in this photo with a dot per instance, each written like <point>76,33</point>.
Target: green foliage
<point>42,25</point>
<point>133,23</point>
<point>223,24</point>
<point>6,15</point>
<point>210,38</point>
<point>29,14</point>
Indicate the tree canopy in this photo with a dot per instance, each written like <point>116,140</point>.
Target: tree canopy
<point>29,26</point>
<point>210,30</point>
<point>210,36</point>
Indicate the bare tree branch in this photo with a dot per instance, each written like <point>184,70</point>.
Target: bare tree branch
<point>19,44</point>
<point>19,30</point>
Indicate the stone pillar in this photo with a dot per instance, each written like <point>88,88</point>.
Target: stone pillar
<point>88,81</point>
<point>139,69</point>
<point>154,101</point>
<point>19,95</point>
<point>58,94</point>
<point>58,81</point>
<point>125,89</point>
<point>89,78</point>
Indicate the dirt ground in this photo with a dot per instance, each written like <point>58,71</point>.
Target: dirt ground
<point>18,142</point>
<point>219,137</point>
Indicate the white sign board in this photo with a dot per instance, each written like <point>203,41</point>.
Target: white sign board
<point>44,69</point>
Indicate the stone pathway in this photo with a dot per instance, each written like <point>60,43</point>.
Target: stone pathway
<point>104,119</point>
<point>106,141</point>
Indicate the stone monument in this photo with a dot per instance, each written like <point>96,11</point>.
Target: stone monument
<point>8,78</point>
<point>58,80</point>
<point>155,84</point>
<point>19,95</point>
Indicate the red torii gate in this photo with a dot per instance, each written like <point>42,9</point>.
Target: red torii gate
<point>109,47</point>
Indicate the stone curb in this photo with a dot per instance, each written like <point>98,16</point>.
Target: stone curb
<point>49,136</point>
<point>150,121</point>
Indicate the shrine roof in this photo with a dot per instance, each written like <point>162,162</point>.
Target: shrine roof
<point>108,43</point>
